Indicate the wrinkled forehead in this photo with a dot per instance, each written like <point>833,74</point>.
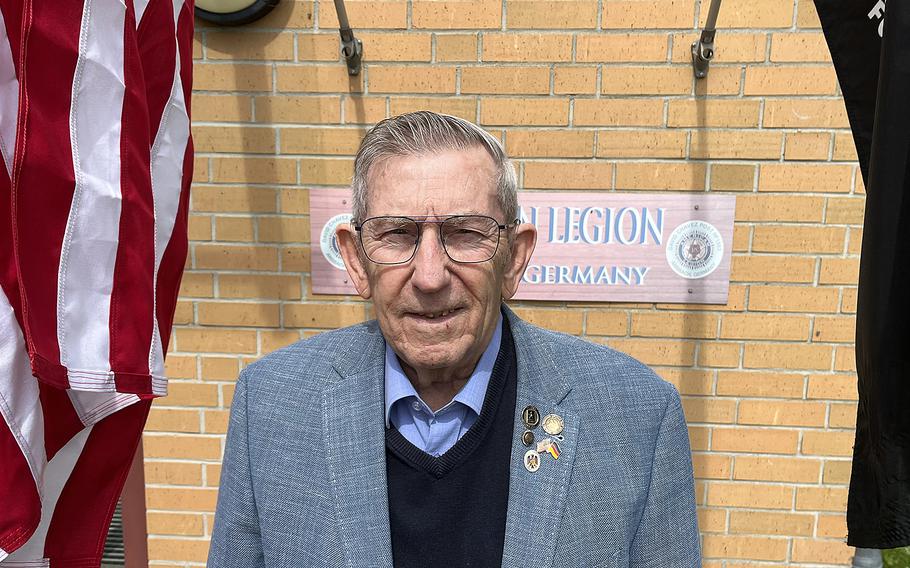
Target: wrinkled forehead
<point>451,181</point>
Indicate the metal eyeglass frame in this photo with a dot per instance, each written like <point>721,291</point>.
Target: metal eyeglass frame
<point>424,219</point>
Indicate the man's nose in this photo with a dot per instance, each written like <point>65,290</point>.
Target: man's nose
<point>430,262</point>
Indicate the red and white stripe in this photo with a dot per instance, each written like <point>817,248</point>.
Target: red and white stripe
<point>97,162</point>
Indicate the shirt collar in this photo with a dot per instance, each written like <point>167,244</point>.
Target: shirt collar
<point>472,394</point>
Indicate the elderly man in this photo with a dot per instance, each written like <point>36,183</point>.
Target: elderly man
<point>448,432</point>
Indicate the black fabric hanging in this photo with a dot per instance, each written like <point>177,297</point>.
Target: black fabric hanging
<point>874,74</point>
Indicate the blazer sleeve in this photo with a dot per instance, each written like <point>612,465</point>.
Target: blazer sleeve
<point>236,539</point>
<point>667,535</point>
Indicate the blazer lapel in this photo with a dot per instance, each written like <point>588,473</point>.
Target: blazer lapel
<point>537,499</point>
<point>353,414</point>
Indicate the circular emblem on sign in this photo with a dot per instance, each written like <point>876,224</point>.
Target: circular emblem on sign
<point>329,244</point>
<point>694,249</point>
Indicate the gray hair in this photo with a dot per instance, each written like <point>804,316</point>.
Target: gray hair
<point>425,132</point>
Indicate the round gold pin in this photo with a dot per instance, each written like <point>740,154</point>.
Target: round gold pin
<point>553,424</point>
<point>527,438</point>
<point>531,417</point>
<point>532,461</point>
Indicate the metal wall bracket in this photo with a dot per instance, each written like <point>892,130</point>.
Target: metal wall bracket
<point>703,49</point>
<point>351,47</point>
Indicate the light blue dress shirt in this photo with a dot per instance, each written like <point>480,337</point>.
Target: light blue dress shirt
<point>436,432</point>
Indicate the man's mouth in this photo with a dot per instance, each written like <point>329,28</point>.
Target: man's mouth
<point>437,314</point>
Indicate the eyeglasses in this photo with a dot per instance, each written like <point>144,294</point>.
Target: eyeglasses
<point>465,238</point>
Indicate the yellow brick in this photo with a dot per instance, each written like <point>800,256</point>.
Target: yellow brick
<point>456,47</point>
<point>550,143</point>
<point>805,113</point>
<point>855,240</point>
<point>238,314</point>
<point>759,326</point>
<point>621,48</point>
<point>173,473</point>
<point>733,177</point>
<point>323,315</point>
<point>772,269</point>
<point>196,285</point>
<point>742,237</point>
<point>559,14</point>
<point>781,524</point>
<point>220,368</point>
<point>807,146</point>
<point>216,340</point>
<point>822,551</point>
<point>294,201</point>
<point>804,47</point>
<point>296,109</point>
<point>566,321</point>
<point>412,79</point>
<point>641,144</point>
<point>526,47</point>
<point>505,80</point>
<point>364,110</point>
<point>456,106</point>
<point>674,325</point>
<point>661,175</point>
<point>728,48</point>
<point>793,299</point>
<point>575,80</point>
<point>363,14</point>
<point>721,81</point>
<point>234,45</point>
<point>689,381</point>
<point>524,112</point>
<point>737,144</point>
<point>326,171</point>
<point>751,495</point>
<point>174,524</point>
<point>272,340</point>
<point>181,499</point>
<point>821,499</point>
<point>848,302</point>
<point>231,77</point>
<point>752,14</point>
<point>832,526</point>
<point>759,384</point>
<point>643,14</point>
<point>568,175</point>
<point>698,441</point>
<point>172,420</point>
<point>212,476</point>
<point>397,46</point>
<point>711,521</point>
<point>177,549</point>
<point>701,410</point>
<point>317,79</point>
<point>703,113</point>
<point>783,80</point>
<point>240,229</point>
<point>318,47</point>
<point>606,323</point>
<point>277,287</point>
<point>842,416</point>
<point>845,210</point>
<point>845,358</point>
<point>833,387</point>
<point>787,356</point>
<point>181,447</point>
<point>254,170</point>
<point>295,259</point>
<point>231,257</point>
<point>800,239</point>
<point>656,352</point>
<point>629,80</point>
<point>465,14</point>
<point>844,147</point>
<point>806,15</point>
<point>716,354</point>
<point>827,444</point>
<point>182,393</point>
<point>711,466</point>
<point>837,472</point>
<point>199,228</point>
<point>779,208</point>
<point>618,112</point>
<point>834,329</point>
<point>233,199</point>
<point>222,108</point>
<point>291,14</point>
<point>178,367</point>
<point>780,413</point>
<point>321,140</point>
<point>216,421</point>
<point>754,440</point>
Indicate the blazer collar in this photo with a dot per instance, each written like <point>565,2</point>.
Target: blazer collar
<point>354,422</point>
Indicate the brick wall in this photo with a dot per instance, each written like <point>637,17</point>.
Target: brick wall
<point>586,94</point>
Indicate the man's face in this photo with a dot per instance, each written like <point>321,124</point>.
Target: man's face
<point>434,312</point>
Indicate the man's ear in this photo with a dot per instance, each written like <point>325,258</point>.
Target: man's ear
<point>523,243</point>
<point>353,260</point>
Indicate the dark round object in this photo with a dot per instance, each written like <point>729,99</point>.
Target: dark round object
<point>233,13</point>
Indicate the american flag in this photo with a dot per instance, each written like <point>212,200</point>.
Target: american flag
<point>96,164</point>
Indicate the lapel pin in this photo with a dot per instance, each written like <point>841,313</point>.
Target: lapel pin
<point>548,446</point>
<point>531,417</point>
<point>532,461</point>
<point>553,424</point>
<point>527,438</point>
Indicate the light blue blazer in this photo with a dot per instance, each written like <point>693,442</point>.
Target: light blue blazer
<point>304,478</point>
